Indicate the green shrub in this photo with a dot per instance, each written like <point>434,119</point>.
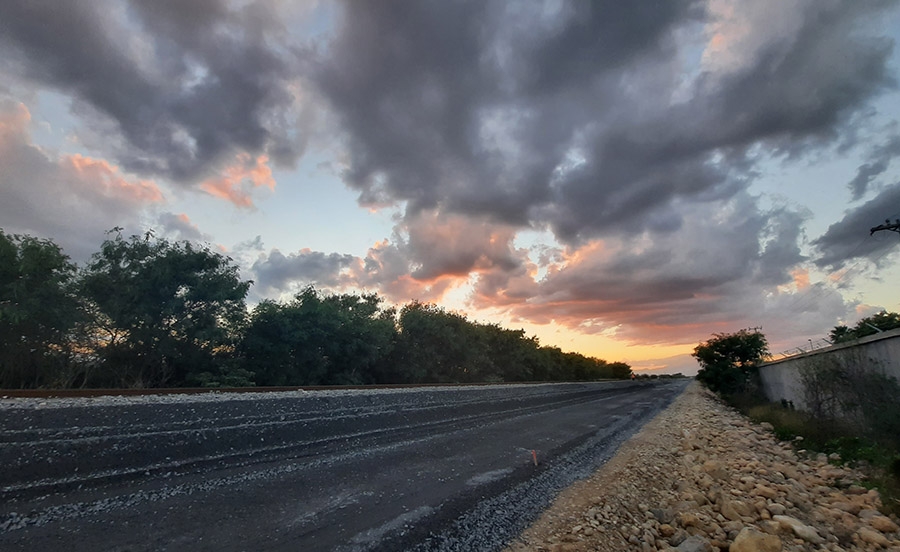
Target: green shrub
<point>728,362</point>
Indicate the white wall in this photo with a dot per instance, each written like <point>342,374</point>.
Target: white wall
<point>881,352</point>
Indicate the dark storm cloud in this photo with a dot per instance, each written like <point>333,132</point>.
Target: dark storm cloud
<point>878,163</point>
<point>572,118</point>
<point>185,84</point>
<point>849,238</point>
<point>473,106</point>
<point>279,272</point>
<point>800,87</point>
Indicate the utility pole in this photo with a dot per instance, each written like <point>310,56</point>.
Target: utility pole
<point>888,225</point>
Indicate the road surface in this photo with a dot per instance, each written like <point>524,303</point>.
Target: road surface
<point>414,469</point>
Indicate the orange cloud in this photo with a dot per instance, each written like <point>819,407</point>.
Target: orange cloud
<point>236,180</point>
<point>801,278</point>
<point>107,177</point>
<point>739,31</point>
<point>386,268</point>
<point>13,121</point>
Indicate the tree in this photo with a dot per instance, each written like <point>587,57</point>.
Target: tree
<point>169,312</point>
<point>436,346</point>
<point>319,339</point>
<point>869,325</point>
<point>728,361</point>
<point>840,334</point>
<point>37,311</point>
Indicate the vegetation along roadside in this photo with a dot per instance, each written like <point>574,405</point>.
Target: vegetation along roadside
<point>149,312</point>
<point>851,410</point>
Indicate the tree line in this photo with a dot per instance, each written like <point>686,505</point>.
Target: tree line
<point>870,325</point>
<point>146,311</point>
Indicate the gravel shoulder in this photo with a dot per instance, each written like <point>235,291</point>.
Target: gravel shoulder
<point>701,477</point>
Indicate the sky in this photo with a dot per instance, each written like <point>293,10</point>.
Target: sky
<point>620,179</point>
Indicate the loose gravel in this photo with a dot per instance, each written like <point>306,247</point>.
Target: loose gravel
<point>702,478</point>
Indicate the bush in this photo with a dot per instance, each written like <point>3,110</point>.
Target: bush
<point>729,361</point>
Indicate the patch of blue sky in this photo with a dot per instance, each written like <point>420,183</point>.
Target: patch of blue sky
<point>53,126</point>
<point>309,208</point>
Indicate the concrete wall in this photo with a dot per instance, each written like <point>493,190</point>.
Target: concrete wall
<point>881,352</point>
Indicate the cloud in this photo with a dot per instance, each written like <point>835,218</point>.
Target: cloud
<point>173,88</point>
<point>729,263</point>
<point>433,252</point>
<point>181,227</point>
<point>72,199</point>
<point>277,272</point>
<point>879,160</point>
<point>678,364</point>
<point>849,238</point>
<point>428,256</point>
<point>108,177</point>
<point>235,181</point>
<point>577,117</point>
<point>606,125</point>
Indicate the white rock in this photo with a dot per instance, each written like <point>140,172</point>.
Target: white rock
<point>799,528</point>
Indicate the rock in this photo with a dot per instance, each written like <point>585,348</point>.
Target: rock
<point>663,515</point>
<point>883,524</point>
<point>849,507</point>
<point>742,508</point>
<point>767,426</point>
<point>714,482</point>
<point>678,538</point>
<point>695,544</point>
<point>873,537</point>
<point>699,498</point>
<point>715,469</point>
<point>799,528</point>
<point>728,510</point>
<point>868,513</point>
<point>687,519</point>
<point>764,491</point>
<point>751,540</point>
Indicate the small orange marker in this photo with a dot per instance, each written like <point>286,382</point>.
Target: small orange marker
<point>534,456</point>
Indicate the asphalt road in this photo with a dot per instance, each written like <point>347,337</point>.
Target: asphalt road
<point>413,469</point>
